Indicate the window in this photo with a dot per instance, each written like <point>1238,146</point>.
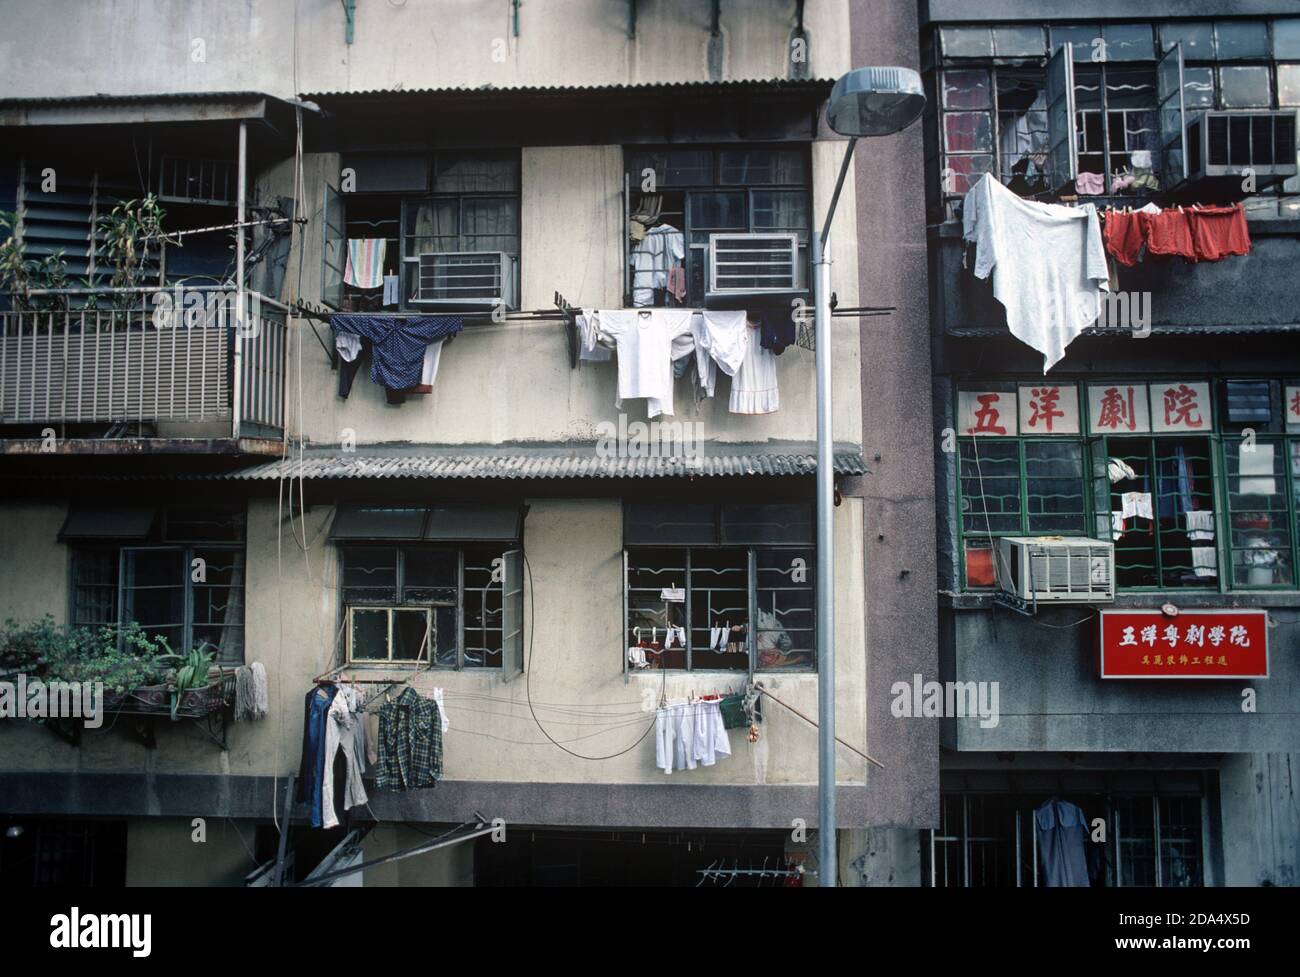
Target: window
<point>743,599</point>
<point>740,189</point>
<point>1158,542</point>
<point>473,207</point>
<point>444,204</point>
<point>184,583</point>
<point>1017,487</point>
<point>440,586</point>
<point>1188,479</point>
<point>993,112</point>
<point>427,605</point>
<point>987,840</point>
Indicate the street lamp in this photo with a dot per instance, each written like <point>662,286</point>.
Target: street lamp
<point>864,102</point>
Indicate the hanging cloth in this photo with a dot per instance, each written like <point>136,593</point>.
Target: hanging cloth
<point>365,267</point>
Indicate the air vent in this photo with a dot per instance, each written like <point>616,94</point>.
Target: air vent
<point>469,278</point>
<point>753,264</point>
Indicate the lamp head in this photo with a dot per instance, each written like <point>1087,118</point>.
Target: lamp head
<point>875,101</point>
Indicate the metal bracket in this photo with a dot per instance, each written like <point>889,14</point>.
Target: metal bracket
<point>1017,604</point>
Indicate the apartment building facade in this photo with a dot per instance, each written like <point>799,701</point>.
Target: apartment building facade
<point>500,531</point>
<point>1163,442</point>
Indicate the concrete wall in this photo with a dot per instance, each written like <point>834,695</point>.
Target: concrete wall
<point>1050,697</point>
<point>164,851</point>
<point>134,47</point>
<point>512,381</point>
<point>1261,819</point>
<point>574,548</point>
<point>898,495</point>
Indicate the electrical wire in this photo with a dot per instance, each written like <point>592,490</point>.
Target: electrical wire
<point>528,686</point>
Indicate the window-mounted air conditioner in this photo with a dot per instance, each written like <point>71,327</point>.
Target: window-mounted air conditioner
<point>1225,144</point>
<point>467,278</point>
<point>753,264</point>
<point>1053,569</point>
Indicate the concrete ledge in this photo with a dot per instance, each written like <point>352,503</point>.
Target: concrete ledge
<point>667,805</point>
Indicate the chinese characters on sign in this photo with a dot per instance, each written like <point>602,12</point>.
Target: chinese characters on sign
<point>1195,644</point>
<point>1180,406</point>
<point>1293,408</point>
<point>1118,408</point>
<point>986,412</point>
<point>1049,408</point>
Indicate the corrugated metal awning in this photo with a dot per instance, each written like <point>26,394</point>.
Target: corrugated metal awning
<point>696,86</point>
<point>774,458</point>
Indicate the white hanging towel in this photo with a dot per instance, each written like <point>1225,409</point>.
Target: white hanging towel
<point>1048,264</point>
<point>365,266</point>
<point>1200,524</point>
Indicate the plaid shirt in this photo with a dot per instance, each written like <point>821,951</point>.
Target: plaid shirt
<point>410,743</point>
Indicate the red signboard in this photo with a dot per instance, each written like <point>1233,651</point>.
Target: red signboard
<point>1191,644</point>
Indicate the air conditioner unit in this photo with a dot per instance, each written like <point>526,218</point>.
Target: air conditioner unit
<point>467,278</point>
<point>1225,144</point>
<point>753,264</point>
<point>1055,569</point>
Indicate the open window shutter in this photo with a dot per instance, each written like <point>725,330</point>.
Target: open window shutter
<point>512,615</point>
<point>1062,144</point>
<point>334,253</point>
<point>1173,116</point>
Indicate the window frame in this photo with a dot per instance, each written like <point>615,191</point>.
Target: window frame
<point>507,668</point>
<point>1165,36</point>
<point>1095,446</point>
<point>752,589</point>
<point>697,255</point>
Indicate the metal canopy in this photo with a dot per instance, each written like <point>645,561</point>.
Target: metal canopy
<point>107,522</point>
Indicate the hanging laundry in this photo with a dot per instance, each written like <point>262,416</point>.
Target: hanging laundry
<point>721,341</point>
<point>1168,234</point>
<point>776,328</point>
<point>365,265</point>
<point>398,344</point>
<point>1218,232</point>
<point>677,283</point>
<point>711,740</point>
<point>589,346</point>
<point>311,770</point>
<point>653,257</point>
<point>410,743</point>
<point>250,692</point>
<point>646,340</point>
<point>1048,263</point>
<point>754,387</point>
<point>1061,831</point>
<point>1205,561</point>
<point>392,295</point>
<point>1200,524</point>
<point>1090,184</point>
<point>341,726</point>
<point>1136,505</point>
<point>1123,234</point>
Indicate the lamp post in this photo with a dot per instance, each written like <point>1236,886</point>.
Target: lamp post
<point>864,102</point>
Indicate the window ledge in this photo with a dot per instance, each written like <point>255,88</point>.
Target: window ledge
<point>1272,598</point>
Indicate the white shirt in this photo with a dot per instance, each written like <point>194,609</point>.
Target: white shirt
<point>1049,261</point>
<point>662,247</point>
<point>645,341</point>
<point>721,340</point>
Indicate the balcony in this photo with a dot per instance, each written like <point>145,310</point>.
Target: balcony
<point>141,369</point>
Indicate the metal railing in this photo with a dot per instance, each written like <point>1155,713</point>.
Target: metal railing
<point>144,355</point>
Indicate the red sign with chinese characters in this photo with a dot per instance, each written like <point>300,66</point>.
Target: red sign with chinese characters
<point>1193,644</point>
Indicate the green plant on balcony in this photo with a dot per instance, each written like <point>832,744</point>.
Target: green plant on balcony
<point>19,275</point>
<point>129,232</point>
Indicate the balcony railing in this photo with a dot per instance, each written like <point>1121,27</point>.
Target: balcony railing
<point>145,357</point>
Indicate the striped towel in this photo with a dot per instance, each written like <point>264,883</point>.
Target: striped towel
<point>365,262</point>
